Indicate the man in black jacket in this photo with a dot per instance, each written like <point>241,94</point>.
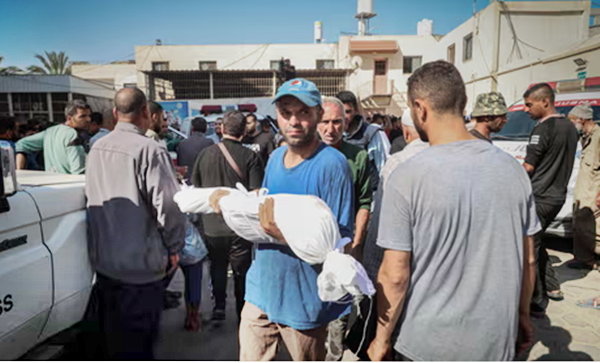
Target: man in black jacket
<point>189,149</point>
<point>213,169</point>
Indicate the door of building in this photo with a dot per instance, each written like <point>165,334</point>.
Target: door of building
<point>380,79</point>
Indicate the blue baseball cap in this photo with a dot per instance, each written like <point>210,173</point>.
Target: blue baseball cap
<point>306,91</point>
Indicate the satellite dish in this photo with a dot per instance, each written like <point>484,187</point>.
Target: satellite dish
<point>356,62</point>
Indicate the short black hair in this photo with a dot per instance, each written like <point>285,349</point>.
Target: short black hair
<point>97,118</point>
<point>7,123</point>
<point>154,107</point>
<point>199,125</point>
<point>264,122</point>
<point>540,91</point>
<point>234,124</point>
<point>74,105</point>
<point>130,101</point>
<point>378,116</point>
<point>252,115</point>
<point>347,97</point>
<point>441,84</point>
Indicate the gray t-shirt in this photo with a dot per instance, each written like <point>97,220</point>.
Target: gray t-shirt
<point>462,209</point>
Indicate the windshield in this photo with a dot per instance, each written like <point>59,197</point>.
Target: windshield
<point>518,127</point>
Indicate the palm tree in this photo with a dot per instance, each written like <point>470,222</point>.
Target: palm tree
<point>9,70</point>
<point>54,63</point>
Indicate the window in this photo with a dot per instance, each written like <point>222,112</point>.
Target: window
<point>325,64</point>
<point>468,47</point>
<point>452,53</point>
<point>160,66</point>
<point>410,64</point>
<point>208,66</point>
<point>274,65</point>
<point>129,85</point>
<point>380,68</point>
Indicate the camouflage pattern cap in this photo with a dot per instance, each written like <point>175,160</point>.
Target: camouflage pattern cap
<point>490,104</point>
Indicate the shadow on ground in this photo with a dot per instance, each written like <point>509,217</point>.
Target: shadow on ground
<point>557,340</point>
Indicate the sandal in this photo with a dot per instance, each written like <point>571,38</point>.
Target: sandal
<point>593,303</point>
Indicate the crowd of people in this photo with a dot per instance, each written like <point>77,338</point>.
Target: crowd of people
<point>448,228</point>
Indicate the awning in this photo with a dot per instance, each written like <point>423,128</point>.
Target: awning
<point>374,46</point>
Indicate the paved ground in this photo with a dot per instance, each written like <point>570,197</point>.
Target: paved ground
<point>567,333</point>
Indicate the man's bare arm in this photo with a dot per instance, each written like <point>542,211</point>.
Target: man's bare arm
<point>362,221</point>
<point>392,285</point>
<point>21,161</point>
<point>525,338</point>
<point>529,168</point>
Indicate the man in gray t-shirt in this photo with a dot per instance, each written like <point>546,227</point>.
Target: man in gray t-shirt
<point>454,225</point>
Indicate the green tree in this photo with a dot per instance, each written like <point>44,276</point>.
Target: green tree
<point>53,63</point>
<point>10,69</point>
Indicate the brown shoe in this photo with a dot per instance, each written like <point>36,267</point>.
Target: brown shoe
<point>192,319</point>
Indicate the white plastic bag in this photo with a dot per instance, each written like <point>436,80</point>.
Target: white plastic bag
<point>195,249</point>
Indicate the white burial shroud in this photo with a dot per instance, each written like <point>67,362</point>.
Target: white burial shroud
<point>307,224</point>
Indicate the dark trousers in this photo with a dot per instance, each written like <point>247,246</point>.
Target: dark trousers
<point>129,317</point>
<point>584,235</point>
<point>193,283</point>
<point>221,252</point>
<point>545,276</point>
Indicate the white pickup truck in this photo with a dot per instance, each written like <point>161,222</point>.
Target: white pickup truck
<point>45,274</point>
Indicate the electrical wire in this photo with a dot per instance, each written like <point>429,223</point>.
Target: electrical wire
<point>260,56</point>
<point>246,56</point>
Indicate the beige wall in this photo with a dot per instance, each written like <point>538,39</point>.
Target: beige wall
<point>116,74</point>
<point>246,57</point>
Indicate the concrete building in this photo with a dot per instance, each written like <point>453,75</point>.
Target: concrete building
<point>115,75</point>
<point>506,47</point>
<point>45,97</point>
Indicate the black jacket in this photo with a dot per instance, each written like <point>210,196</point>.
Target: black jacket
<point>188,150</point>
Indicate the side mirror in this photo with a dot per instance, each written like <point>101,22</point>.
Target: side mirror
<point>8,175</point>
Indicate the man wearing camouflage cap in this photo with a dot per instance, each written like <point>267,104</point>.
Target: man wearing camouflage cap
<point>490,115</point>
<point>586,221</point>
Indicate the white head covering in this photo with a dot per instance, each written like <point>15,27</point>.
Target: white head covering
<point>583,111</point>
<point>407,118</point>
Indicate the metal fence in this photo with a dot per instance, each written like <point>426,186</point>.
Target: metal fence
<point>171,85</point>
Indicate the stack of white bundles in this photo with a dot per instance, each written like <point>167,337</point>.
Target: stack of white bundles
<point>310,230</point>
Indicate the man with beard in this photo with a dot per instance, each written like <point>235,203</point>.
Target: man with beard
<point>62,145</point>
<point>370,137</point>
<point>282,302</point>
<point>258,139</point>
<point>331,129</point>
<point>159,127</point>
<point>489,114</point>
<point>447,238</point>
<point>586,221</point>
<point>549,162</point>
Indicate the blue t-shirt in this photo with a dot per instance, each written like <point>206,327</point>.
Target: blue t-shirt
<point>278,282</point>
